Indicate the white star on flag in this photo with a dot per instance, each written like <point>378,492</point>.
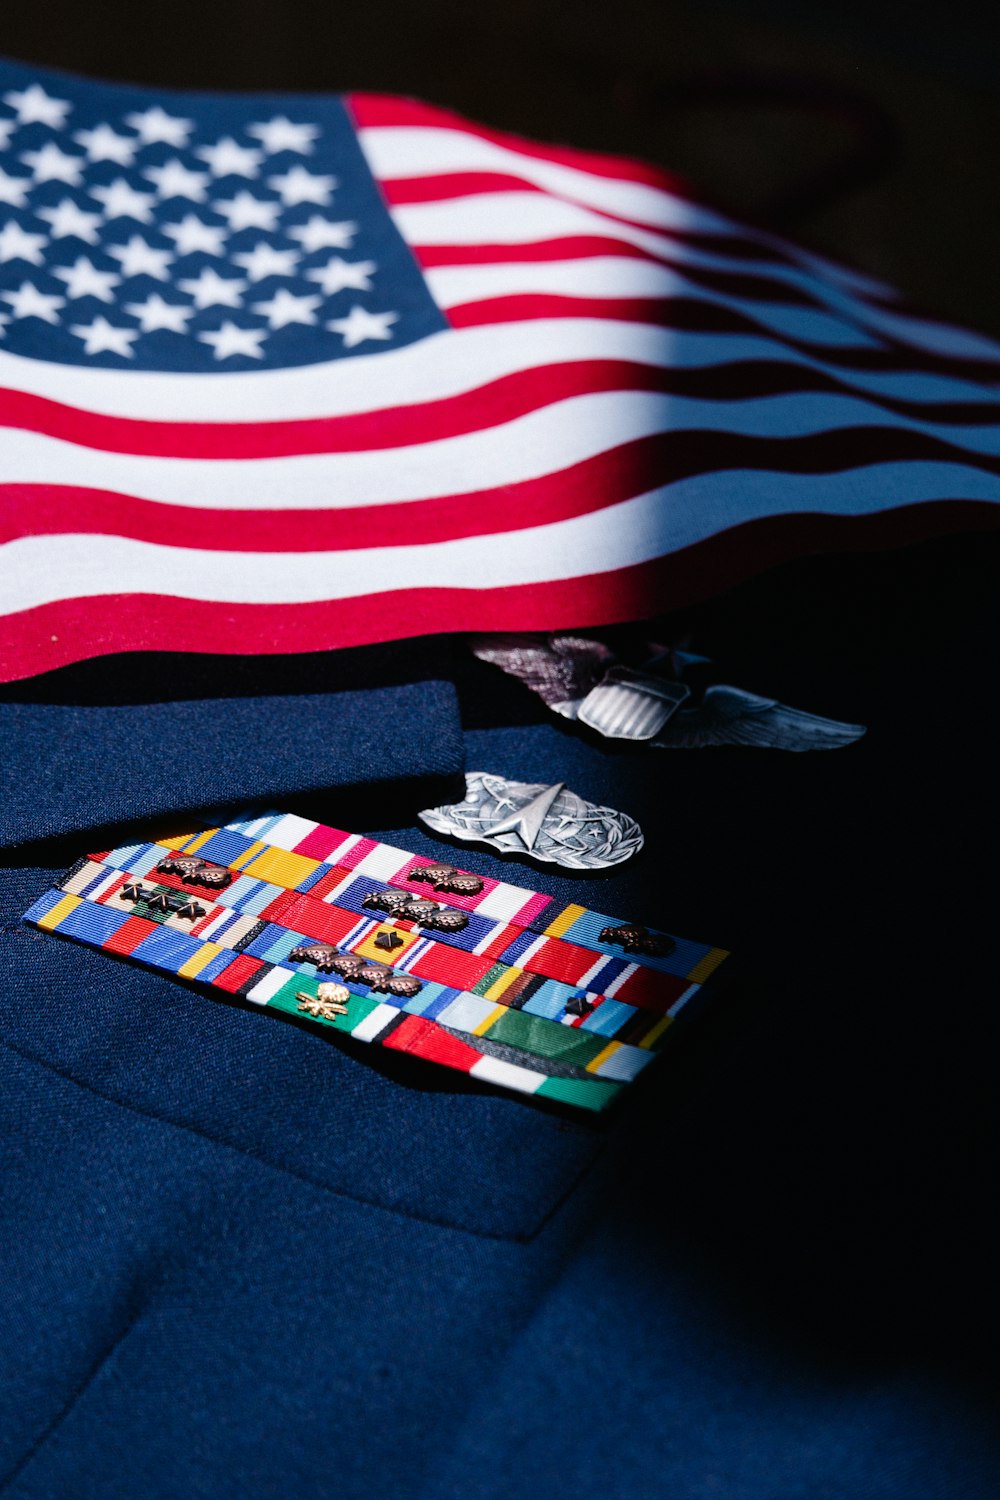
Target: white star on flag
<point>83,279</point>
<point>50,164</point>
<point>244,211</point>
<point>263,260</point>
<point>17,244</point>
<point>35,107</point>
<point>155,125</point>
<point>229,340</point>
<point>280,134</point>
<point>13,190</point>
<point>154,313</point>
<point>175,180</point>
<point>324,234</point>
<point>212,290</point>
<point>67,218</point>
<point>104,144</point>
<point>228,159</point>
<point>338,274</point>
<point>285,307</point>
<point>139,258</point>
<point>29,302</point>
<point>101,337</point>
<point>360,325</point>
<point>123,202</point>
<point>193,234</point>
<point>299,186</point>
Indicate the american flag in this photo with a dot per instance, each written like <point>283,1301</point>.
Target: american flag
<point>290,373</point>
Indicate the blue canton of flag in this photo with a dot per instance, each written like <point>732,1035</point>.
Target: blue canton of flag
<point>223,234</point>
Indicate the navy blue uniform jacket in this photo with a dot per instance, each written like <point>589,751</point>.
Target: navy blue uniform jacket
<point>241,1260</point>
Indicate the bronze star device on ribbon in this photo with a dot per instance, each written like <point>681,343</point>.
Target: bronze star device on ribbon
<point>512,986</point>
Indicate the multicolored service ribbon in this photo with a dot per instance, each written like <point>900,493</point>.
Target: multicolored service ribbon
<point>294,853</point>
<point>270,923</point>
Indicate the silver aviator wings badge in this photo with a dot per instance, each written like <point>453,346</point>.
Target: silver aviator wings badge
<point>580,678</point>
<point>630,704</point>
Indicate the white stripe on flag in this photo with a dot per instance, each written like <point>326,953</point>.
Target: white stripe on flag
<point>620,276</point>
<point>506,218</point>
<point>444,365</point>
<point>543,442</point>
<point>41,569</point>
<point>428,151</point>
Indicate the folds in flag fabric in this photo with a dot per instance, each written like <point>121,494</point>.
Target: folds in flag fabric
<point>291,373</point>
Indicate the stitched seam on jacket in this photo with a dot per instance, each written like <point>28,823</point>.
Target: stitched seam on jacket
<point>299,1176</point>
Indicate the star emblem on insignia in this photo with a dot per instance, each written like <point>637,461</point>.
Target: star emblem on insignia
<point>550,823</point>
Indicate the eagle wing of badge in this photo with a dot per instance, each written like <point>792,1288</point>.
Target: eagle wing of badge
<point>550,823</point>
<point>730,716</point>
<point>561,669</point>
<point>583,679</point>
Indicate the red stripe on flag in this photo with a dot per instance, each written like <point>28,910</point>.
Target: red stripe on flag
<point>570,247</point>
<point>380,110</point>
<point>592,485</point>
<point>444,186</point>
<point>384,109</point>
<point>69,630</point>
<point>690,313</point>
<point>487,406</point>
<point>660,312</point>
<point>751,287</point>
<point>50,510</point>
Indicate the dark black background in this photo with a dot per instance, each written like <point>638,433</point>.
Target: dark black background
<point>843,1162</point>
